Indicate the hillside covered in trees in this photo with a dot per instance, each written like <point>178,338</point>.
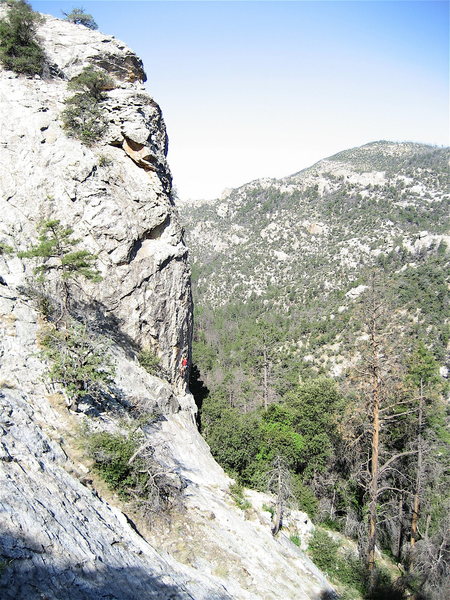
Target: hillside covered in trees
<point>320,346</point>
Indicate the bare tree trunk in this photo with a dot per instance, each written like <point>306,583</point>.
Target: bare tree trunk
<point>400,529</point>
<point>278,519</point>
<point>279,482</point>
<point>375,448</point>
<point>373,487</point>
<point>265,378</point>
<point>64,301</point>
<point>279,514</point>
<point>332,505</point>
<point>416,499</point>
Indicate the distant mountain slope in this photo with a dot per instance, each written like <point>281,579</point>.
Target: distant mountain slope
<point>302,243</point>
<point>319,226</point>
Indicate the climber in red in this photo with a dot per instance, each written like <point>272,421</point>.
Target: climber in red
<point>183,367</point>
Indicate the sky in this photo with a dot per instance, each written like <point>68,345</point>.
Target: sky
<point>253,89</point>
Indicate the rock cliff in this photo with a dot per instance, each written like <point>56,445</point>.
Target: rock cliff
<point>64,534</point>
<point>123,210</point>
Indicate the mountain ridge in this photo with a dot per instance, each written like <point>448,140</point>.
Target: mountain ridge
<point>305,195</point>
<point>303,244</point>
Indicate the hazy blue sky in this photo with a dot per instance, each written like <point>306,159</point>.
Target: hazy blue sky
<point>265,88</point>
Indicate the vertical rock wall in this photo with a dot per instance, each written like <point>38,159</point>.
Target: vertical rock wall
<point>116,194</point>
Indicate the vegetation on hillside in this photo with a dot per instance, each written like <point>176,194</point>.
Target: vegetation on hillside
<point>124,460</point>
<point>78,358</point>
<point>81,367</point>
<point>83,117</point>
<point>389,405</point>
<point>321,322</point>
<point>20,49</point>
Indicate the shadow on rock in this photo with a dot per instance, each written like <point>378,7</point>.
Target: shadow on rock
<point>29,572</point>
<point>99,319</point>
<point>199,390</point>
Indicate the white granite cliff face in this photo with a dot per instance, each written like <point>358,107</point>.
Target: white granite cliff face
<point>62,536</point>
<point>123,212</point>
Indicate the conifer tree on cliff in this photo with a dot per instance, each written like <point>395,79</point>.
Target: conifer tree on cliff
<point>80,17</point>
<point>56,249</point>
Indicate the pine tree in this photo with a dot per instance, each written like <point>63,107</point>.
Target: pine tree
<point>56,249</point>
<point>80,17</point>
<point>19,49</point>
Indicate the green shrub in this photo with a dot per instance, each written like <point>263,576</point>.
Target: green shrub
<point>92,82</point>
<point>323,551</point>
<point>348,571</point>
<point>111,454</point>
<point>331,524</point>
<point>104,161</point>
<point>237,493</point>
<point>5,249</point>
<point>307,501</point>
<point>78,361</point>
<point>295,540</point>
<point>80,17</point>
<point>83,117</point>
<point>19,49</point>
<point>149,361</point>
<point>269,509</point>
<point>125,462</point>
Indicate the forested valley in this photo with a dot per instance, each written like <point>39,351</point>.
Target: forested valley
<point>332,396</point>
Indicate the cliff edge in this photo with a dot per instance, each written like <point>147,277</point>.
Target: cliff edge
<point>64,533</point>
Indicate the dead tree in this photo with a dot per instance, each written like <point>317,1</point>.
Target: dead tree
<point>419,470</point>
<point>379,377</point>
<point>279,483</point>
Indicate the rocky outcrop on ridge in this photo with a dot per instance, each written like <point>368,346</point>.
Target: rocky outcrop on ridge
<point>310,231</point>
<point>63,535</point>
